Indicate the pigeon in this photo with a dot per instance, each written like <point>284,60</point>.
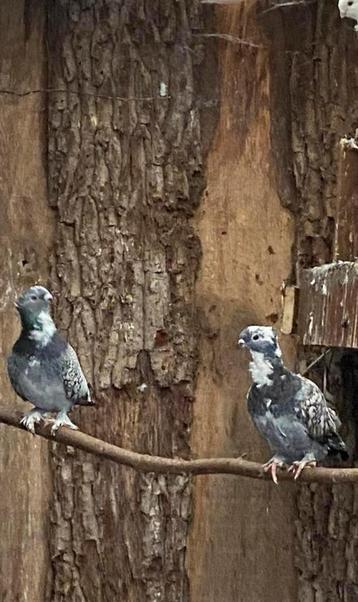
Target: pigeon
<point>43,368</point>
<point>349,9</point>
<point>289,410</point>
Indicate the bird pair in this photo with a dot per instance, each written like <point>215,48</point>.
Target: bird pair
<point>288,410</point>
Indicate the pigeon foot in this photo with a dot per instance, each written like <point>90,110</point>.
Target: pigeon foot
<point>271,467</point>
<point>297,467</point>
<point>31,418</point>
<point>62,420</point>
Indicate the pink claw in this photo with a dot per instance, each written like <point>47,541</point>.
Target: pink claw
<point>271,467</point>
<point>297,467</point>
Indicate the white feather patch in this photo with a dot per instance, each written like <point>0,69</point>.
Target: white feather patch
<point>261,369</point>
<point>45,332</point>
<point>33,361</point>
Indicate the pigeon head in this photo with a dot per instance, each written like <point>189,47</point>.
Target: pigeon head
<point>260,339</point>
<point>34,301</point>
<point>348,8</point>
<point>33,306</point>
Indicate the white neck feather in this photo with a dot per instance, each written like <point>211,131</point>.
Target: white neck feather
<point>261,369</point>
<point>45,331</point>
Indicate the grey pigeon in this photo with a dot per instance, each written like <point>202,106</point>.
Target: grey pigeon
<point>288,410</point>
<point>43,368</point>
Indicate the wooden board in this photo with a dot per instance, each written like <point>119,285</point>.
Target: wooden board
<point>328,305</point>
<point>346,233</point>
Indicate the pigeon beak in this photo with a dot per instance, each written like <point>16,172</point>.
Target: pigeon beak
<point>241,343</point>
<point>48,297</point>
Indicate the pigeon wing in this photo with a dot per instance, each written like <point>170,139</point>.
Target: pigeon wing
<point>74,380</point>
<point>320,420</point>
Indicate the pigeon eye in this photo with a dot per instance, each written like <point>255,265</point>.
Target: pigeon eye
<point>33,297</point>
<point>350,3</point>
<point>255,337</point>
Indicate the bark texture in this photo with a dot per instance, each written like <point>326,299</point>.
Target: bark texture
<point>314,84</point>
<point>25,240</point>
<point>125,178</point>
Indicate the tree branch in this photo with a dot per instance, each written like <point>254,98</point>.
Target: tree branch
<point>147,463</point>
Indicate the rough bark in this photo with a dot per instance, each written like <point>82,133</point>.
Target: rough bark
<point>25,240</point>
<point>314,83</point>
<point>125,178</point>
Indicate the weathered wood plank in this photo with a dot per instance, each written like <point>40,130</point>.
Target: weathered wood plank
<point>328,305</point>
<point>26,237</point>
<point>346,232</point>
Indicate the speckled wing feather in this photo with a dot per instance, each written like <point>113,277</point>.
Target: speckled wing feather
<point>75,384</point>
<point>321,421</point>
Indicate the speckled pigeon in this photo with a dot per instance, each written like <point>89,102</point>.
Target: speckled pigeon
<point>43,368</point>
<point>288,410</point>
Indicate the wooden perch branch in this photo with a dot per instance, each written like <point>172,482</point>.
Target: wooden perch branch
<point>147,463</point>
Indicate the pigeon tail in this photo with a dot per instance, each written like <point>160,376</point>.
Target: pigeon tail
<point>86,402</point>
<point>336,446</point>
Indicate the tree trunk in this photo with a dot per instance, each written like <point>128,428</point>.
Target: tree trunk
<point>125,178</point>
